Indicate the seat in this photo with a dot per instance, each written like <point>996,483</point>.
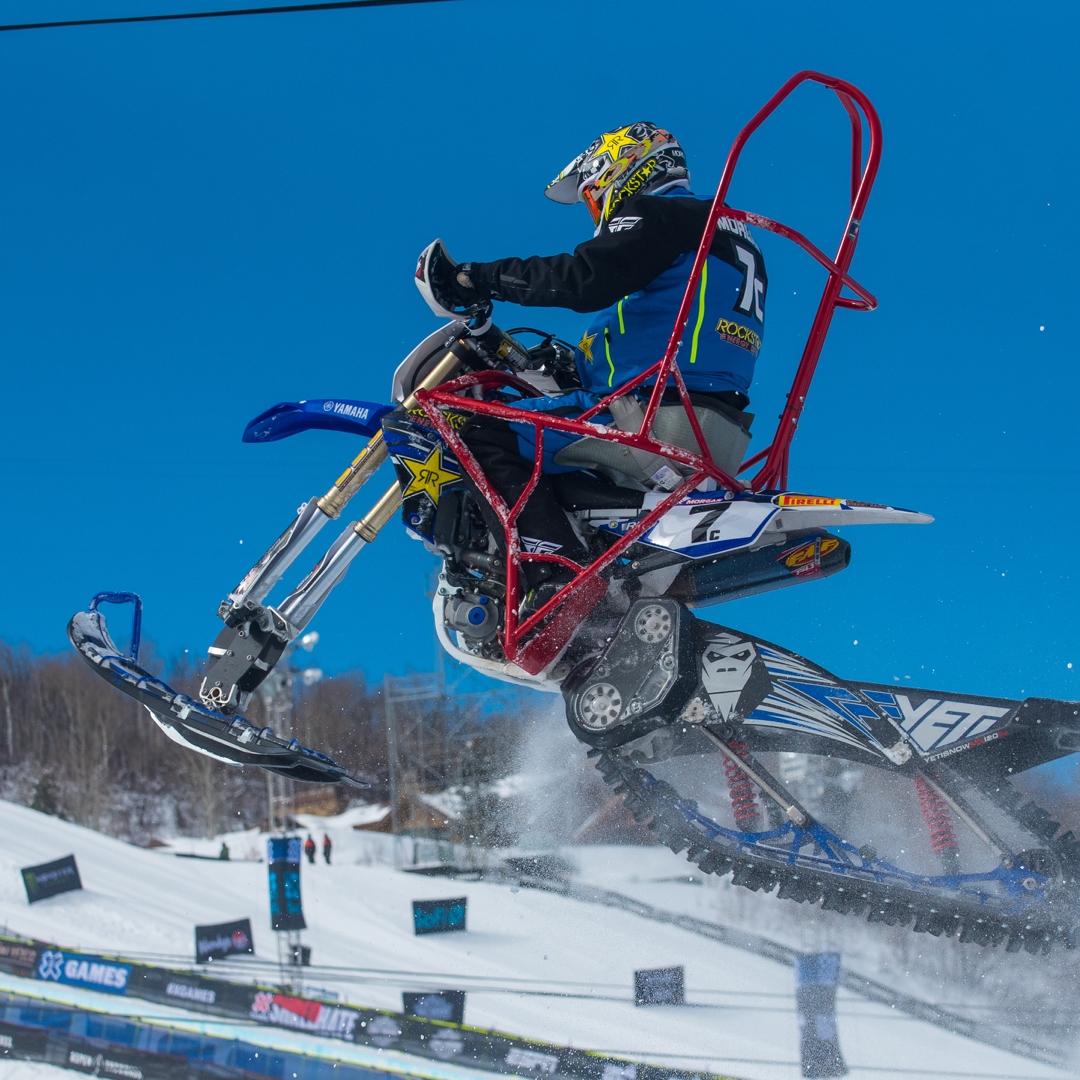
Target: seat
<point>726,432</point>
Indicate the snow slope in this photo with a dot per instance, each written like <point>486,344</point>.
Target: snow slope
<point>533,964</point>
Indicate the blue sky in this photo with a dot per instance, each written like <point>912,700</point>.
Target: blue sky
<point>205,218</point>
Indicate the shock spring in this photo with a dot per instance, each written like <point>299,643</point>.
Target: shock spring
<point>939,824</point>
<point>741,793</point>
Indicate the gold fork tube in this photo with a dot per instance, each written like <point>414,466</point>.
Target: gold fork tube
<point>368,527</point>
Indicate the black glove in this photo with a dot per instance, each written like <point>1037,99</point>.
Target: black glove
<point>451,284</point>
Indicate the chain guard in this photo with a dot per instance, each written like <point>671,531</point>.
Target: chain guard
<point>987,909</point>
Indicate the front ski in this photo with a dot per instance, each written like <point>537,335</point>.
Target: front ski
<point>231,739</point>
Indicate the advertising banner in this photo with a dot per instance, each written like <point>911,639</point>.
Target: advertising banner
<point>51,878</point>
<point>219,940</point>
<point>445,1005</point>
<point>21,1042</point>
<point>816,975</point>
<point>286,911</point>
<point>439,916</point>
<point>421,1029</point>
<point>658,986</point>
<point>18,959</point>
<point>78,969</point>
<point>282,1010</point>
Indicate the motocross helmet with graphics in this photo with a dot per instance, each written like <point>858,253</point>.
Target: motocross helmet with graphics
<point>620,163</point>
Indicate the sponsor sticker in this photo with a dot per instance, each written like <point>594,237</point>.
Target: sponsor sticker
<point>992,737</point>
<point>456,420</point>
<point>736,334</point>
<point>935,723</point>
<point>351,409</point>
<point>805,501</point>
<point>429,476</point>
<point>794,558</point>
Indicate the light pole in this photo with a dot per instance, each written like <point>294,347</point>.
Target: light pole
<point>278,692</point>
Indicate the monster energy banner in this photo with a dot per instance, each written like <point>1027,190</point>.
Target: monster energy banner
<point>51,878</point>
<point>816,975</point>
<point>286,911</point>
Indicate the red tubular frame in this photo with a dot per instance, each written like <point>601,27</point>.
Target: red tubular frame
<point>581,595</point>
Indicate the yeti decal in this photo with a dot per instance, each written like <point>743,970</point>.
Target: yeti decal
<point>726,663</point>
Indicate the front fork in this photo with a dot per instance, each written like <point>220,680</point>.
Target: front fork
<point>256,634</point>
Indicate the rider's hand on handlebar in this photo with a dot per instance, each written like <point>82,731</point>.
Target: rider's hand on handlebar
<point>452,285</point>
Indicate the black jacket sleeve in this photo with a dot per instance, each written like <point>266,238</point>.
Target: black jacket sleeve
<point>648,234</point>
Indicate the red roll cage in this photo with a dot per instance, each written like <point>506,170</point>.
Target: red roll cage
<point>584,592</point>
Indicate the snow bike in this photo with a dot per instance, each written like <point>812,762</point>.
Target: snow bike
<point>702,728</point>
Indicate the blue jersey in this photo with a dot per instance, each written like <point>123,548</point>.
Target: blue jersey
<point>635,272</point>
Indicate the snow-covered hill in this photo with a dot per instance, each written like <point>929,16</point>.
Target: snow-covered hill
<point>533,964</point>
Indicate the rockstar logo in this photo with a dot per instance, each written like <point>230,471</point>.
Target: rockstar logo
<point>428,476</point>
<point>614,141</point>
<point>585,345</point>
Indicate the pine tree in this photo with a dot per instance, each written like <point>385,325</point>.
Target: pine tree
<point>44,799</point>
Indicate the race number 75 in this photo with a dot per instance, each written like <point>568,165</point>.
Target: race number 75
<point>753,291</point>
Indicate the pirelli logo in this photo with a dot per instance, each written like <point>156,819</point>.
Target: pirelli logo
<point>805,500</point>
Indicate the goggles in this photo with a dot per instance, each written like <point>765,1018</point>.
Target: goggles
<point>595,208</point>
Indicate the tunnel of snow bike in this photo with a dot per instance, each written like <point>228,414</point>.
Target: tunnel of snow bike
<point>535,642</point>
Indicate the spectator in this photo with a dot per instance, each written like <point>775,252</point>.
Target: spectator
<point>326,845</point>
<point>309,849</point>
<point>224,852</point>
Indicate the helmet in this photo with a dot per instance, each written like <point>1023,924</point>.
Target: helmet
<point>626,161</point>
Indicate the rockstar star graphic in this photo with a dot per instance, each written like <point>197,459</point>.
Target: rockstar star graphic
<point>614,141</point>
<point>428,476</point>
<point>585,345</point>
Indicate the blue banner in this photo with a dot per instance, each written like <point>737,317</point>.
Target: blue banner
<point>334,414</point>
<point>78,969</point>
<point>439,916</point>
<point>286,910</point>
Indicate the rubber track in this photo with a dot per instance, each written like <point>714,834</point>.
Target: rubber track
<point>1036,931</point>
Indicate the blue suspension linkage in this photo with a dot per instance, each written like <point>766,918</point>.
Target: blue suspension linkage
<point>839,856</point>
<point>136,618</point>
